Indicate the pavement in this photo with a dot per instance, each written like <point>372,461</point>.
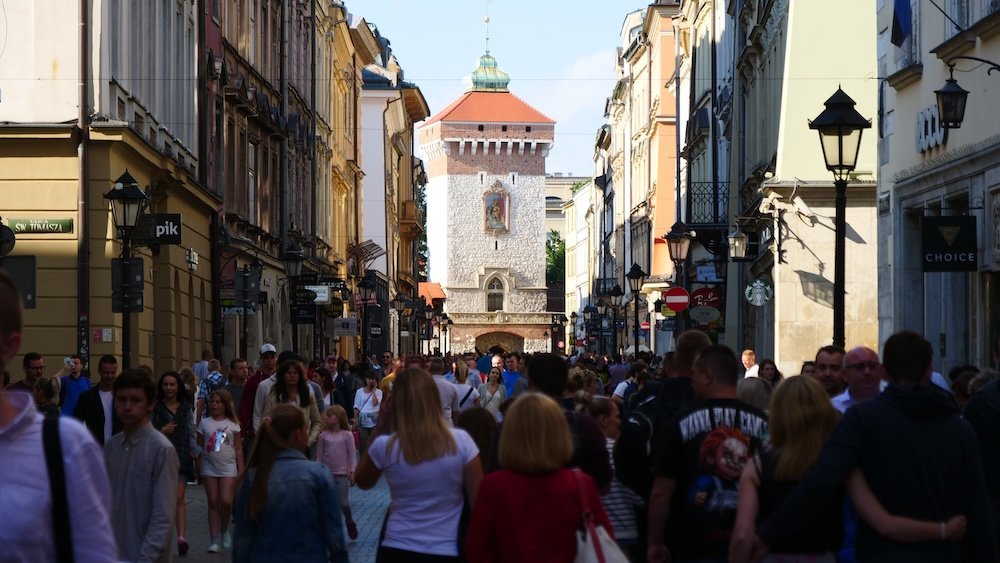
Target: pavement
<point>368,507</point>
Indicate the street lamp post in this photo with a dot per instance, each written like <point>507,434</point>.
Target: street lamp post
<point>366,289</point>
<point>679,245</point>
<point>399,304</point>
<point>615,295</point>
<point>127,204</point>
<point>428,319</point>
<point>635,278</point>
<point>840,127</point>
<point>293,258</point>
<point>589,312</point>
<point>572,324</point>
<point>602,309</point>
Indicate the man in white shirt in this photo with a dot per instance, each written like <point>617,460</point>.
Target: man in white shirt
<point>449,393</point>
<point>863,373</point>
<point>95,407</point>
<point>27,505</point>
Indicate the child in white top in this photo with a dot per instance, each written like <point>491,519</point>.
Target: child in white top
<point>221,442</point>
<point>335,449</point>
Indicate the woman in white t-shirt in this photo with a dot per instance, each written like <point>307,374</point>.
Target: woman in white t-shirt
<point>429,467</point>
<point>367,404</point>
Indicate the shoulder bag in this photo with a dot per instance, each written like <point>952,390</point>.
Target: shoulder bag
<point>62,535</point>
<point>593,543</point>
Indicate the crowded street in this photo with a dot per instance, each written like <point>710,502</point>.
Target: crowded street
<point>499,281</point>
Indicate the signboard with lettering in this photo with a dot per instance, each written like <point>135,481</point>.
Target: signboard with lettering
<point>949,244</point>
<point>40,226</point>
<point>158,228</point>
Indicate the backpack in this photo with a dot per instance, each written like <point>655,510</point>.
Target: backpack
<point>640,440</point>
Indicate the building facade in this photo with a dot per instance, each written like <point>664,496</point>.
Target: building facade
<point>779,301</point>
<point>97,104</point>
<point>939,183</point>
<point>486,214</point>
<point>392,178</point>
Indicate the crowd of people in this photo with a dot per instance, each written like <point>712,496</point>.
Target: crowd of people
<point>701,455</point>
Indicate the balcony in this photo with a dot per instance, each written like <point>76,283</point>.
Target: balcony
<point>708,205</point>
<point>411,222</point>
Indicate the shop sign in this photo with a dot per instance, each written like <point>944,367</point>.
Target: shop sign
<point>949,244</point>
<point>758,293</point>
<point>347,326</point>
<point>41,226</point>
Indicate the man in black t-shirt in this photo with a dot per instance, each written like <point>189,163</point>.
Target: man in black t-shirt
<point>692,506</point>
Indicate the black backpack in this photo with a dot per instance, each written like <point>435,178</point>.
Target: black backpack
<point>641,437</point>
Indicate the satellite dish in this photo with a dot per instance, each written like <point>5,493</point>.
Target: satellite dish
<point>6,240</point>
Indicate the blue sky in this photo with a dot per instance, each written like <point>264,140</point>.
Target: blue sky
<point>560,55</point>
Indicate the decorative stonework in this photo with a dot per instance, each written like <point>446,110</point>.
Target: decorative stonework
<point>500,317</point>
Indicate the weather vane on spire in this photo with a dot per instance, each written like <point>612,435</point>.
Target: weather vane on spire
<point>486,21</point>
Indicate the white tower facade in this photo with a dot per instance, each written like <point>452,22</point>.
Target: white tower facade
<point>486,215</point>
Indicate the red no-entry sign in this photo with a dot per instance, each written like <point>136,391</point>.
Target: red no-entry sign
<point>676,299</point>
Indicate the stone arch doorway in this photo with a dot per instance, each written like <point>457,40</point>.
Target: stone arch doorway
<point>507,341</point>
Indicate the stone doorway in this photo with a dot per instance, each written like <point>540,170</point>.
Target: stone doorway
<point>508,342</point>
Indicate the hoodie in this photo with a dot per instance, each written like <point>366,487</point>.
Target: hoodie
<point>920,459</point>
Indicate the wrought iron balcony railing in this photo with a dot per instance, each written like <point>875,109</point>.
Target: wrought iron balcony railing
<point>707,204</point>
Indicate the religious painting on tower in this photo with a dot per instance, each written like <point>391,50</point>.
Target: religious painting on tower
<point>496,210</point>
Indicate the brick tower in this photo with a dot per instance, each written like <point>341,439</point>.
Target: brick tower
<point>486,214</point>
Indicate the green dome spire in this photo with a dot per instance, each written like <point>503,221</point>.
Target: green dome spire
<point>487,77</point>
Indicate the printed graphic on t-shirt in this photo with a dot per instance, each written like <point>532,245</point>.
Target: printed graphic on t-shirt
<point>707,448</point>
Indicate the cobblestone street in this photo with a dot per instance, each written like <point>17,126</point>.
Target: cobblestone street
<point>369,510</point>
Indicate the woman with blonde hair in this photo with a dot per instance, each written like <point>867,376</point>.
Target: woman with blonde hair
<point>801,419</point>
<point>468,394</point>
<point>286,506</point>
<point>534,490</point>
<point>45,392</point>
<point>428,465</point>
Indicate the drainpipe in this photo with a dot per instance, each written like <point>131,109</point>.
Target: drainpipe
<point>83,158</point>
<point>312,169</point>
<point>286,199</point>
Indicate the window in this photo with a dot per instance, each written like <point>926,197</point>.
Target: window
<point>252,182</point>
<point>503,127</point>
<point>527,129</point>
<point>479,128</point>
<point>494,295</point>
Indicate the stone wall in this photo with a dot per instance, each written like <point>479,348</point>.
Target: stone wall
<point>471,252</point>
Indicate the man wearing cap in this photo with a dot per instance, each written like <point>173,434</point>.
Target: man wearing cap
<point>268,365</point>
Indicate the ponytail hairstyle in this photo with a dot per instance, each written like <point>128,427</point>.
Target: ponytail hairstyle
<point>49,388</point>
<point>276,429</point>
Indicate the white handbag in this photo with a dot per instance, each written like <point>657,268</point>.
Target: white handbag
<point>593,543</point>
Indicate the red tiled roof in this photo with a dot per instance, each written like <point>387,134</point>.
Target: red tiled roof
<point>490,107</point>
<point>430,291</point>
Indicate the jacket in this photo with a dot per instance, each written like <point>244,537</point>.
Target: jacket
<point>90,410</point>
<point>921,461</point>
<point>301,521</point>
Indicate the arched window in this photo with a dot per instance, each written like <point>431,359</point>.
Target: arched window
<point>494,295</point>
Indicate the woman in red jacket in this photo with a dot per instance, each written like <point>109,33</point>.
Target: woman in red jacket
<point>531,509</point>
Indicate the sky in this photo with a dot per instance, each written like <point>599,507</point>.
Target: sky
<point>560,55</point>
